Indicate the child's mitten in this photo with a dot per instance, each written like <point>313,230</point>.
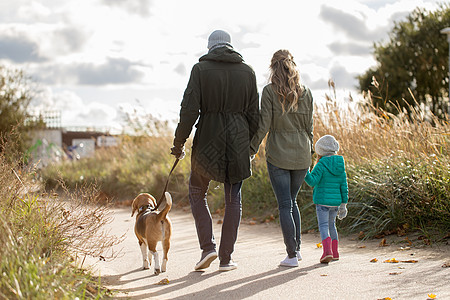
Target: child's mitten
<point>342,211</point>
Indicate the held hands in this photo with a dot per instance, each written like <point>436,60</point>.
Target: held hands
<point>178,152</point>
<point>342,211</point>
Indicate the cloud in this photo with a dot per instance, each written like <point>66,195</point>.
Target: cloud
<point>180,69</point>
<point>114,71</point>
<point>19,49</point>
<point>74,111</point>
<point>348,23</point>
<point>70,39</point>
<point>138,7</point>
<point>356,49</point>
<point>342,78</point>
<point>319,84</point>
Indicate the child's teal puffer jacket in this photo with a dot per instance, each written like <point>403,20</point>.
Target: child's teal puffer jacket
<point>329,180</point>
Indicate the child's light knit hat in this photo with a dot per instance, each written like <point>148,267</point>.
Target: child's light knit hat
<point>327,145</point>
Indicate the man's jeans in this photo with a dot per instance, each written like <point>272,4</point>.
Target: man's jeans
<point>286,184</point>
<point>198,189</point>
<point>326,218</point>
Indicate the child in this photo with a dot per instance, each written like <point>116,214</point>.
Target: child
<point>330,193</point>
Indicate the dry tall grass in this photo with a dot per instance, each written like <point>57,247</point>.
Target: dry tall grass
<point>41,235</point>
<point>398,166</point>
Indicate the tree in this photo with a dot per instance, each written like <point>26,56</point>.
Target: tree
<point>413,61</point>
<point>15,96</point>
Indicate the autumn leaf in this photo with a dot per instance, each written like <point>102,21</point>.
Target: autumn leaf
<point>323,275</point>
<point>319,245</point>
<point>392,260</point>
<point>385,298</point>
<point>163,281</point>
<point>361,247</point>
<point>432,296</point>
<point>408,241</point>
<point>374,260</point>
<point>383,243</point>
<point>395,273</point>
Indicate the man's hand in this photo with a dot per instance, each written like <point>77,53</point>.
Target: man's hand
<point>178,152</point>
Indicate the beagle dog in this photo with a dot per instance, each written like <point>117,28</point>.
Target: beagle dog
<point>151,227</point>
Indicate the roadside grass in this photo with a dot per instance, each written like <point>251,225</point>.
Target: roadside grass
<point>398,171</point>
<point>42,237</point>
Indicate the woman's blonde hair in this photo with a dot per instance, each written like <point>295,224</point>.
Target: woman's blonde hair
<point>286,80</point>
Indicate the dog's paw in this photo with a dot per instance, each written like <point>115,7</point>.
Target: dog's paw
<point>146,265</point>
<point>157,271</point>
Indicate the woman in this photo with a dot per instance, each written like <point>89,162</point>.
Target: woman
<point>286,113</point>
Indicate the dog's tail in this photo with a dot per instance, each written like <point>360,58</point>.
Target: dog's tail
<point>163,213</point>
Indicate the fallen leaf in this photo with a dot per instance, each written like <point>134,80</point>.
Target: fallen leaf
<point>395,273</point>
<point>383,243</point>
<point>446,265</point>
<point>163,281</point>
<point>319,245</point>
<point>361,235</point>
<point>412,261</point>
<point>323,275</point>
<point>219,221</point>
<point>432,296</point>
<point>360,247</point>
<point>392,260</point>
<point>374,260</point>
<point>408,241</point>
<point>385,298</point>
<point>404,248</point>
<point>252,223</point>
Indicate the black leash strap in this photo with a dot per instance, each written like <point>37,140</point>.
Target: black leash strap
<point>167,184</point>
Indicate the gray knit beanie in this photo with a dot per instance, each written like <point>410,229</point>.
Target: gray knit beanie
<point>219,37</point>
<point>327,145</point>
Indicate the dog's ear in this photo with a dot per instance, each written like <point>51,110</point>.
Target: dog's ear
<point>133,207</point>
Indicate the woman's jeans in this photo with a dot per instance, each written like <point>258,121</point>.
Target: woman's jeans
<point>285,185</point>
<point>326,218</point>
<point>198,189</point>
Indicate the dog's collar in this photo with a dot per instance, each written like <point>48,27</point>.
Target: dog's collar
<point>145,207</point>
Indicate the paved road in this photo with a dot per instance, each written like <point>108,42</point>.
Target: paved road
<point>258,252</point>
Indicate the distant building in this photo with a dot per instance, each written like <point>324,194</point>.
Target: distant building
<point>55,143</point>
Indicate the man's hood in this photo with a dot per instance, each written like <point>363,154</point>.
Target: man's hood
<point>334,163</point>
<point>223,54</point>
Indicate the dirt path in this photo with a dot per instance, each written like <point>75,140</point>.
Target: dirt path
<point>258,252</point>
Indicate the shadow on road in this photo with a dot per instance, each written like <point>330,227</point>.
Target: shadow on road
<point>240,288</point>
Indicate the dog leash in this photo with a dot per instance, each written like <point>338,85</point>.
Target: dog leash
<point>167,184</point>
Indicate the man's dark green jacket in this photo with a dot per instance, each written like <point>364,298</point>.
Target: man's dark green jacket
<point>222,95</point>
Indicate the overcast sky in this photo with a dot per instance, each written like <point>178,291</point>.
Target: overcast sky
<point>94,59</point>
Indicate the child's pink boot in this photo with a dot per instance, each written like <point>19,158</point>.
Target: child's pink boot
<point>327,255</point>
<point>334,249</point>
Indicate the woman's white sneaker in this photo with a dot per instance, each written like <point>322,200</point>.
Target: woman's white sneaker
<point>289,262</point>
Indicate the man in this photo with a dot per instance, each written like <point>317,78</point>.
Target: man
<point>222,91</point>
